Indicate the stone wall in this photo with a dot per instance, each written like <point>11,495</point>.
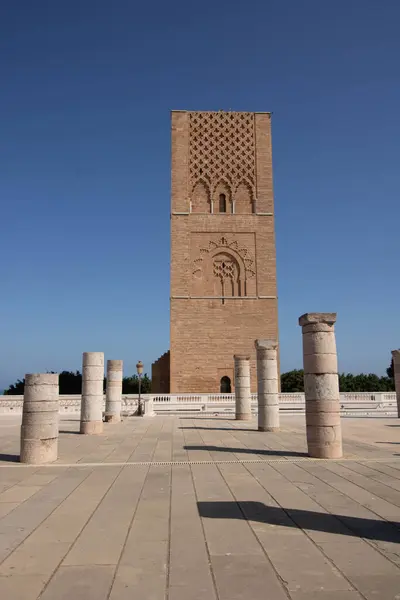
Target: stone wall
<point>160,374</point>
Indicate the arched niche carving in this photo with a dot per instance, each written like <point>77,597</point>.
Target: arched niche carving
<point>227,273</point>
<point>244,200</point>
<point>223,269</point>
<point>201,198</point>
<point>222,189</point>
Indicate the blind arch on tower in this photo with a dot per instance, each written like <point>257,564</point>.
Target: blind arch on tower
<point>201,198</point>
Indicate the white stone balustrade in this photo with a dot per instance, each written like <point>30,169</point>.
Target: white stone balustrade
<point>362,403</point>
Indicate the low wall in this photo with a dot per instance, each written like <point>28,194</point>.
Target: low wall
<point>351,403</point>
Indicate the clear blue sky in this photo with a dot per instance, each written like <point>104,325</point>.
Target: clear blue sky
<point>86,90</point>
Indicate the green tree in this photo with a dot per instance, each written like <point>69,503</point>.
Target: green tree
<point>390,370</point>
<point>70,382</point>
<point>364,383</point>
<point>16,389</point>
<point>292,381</point>
<point>130,385</point>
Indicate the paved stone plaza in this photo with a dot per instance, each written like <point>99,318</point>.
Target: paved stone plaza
<point>189,508</point>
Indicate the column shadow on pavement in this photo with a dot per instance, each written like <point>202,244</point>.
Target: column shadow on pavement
<point>262,452</point>
<point>9,458</point>
<point>248,430</point>
<point>371,529</point>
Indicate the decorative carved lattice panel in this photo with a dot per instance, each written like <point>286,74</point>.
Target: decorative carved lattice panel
<point>221,148</point>
<point>224,268</point>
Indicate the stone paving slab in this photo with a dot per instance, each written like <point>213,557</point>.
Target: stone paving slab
<point>201,508</point>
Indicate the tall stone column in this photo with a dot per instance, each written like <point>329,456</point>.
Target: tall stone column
<point>321,385</point>
<point>39,429</point>
<point>114,391</point>
<point>92,393</point>
<point>242,387</point>
<point>267,385</point>
<point>396,367</point>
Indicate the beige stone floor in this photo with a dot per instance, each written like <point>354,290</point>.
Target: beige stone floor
<point>191,508</point>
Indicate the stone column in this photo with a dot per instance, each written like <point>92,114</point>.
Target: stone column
<point>39,429</point>
<point>92,393</point>
<point>242,387</point>
<point>114,391</point>
<point>321,385</point>
<point>267,385</point>
<point>396,368</point>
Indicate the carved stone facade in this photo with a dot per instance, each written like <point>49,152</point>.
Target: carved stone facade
<point>223,280</point>
<point>222,160</point>
<point>223,266</point>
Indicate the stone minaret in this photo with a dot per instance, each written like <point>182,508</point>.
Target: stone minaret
<point>223,274</point>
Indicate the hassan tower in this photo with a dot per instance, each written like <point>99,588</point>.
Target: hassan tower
<point>223,259</point>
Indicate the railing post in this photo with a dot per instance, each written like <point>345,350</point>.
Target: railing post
<point>148,406</point>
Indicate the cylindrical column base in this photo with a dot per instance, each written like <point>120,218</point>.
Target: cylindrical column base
<point>39,429</point>
<point>37,452</point>
<point>321,385</point>
<point>267,385</point>
<point>242,388</point>
<point>91,427</point>
<point>92,393</point>
<point>269,428</point>
<point>243,416</point>
<point>324,442</point>
<point>114,391</point>
<point>112,418</point>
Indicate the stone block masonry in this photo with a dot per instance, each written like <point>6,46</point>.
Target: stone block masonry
<point>160,375</point>
<point>39,429</point>
<point>114,391</point>
<point>242,388</point>
<point>321,385</point>
<point>267,385</point>
<point>223,271</point>
<point>92,393</point>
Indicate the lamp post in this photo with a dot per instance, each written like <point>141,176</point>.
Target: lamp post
<point>139,369</point>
